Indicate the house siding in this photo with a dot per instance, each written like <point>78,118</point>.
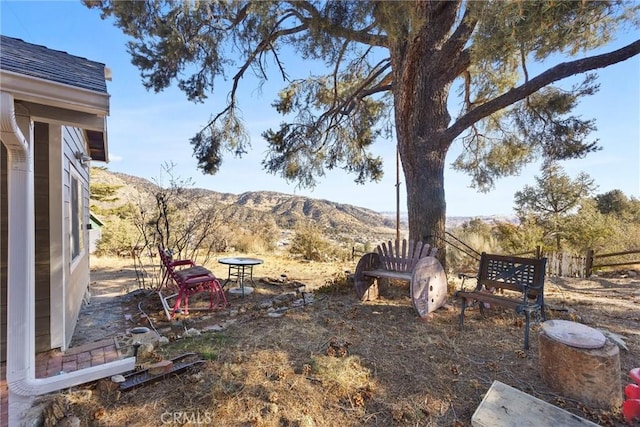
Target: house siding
<point>60,282</point>
<point>77,277</point>
<point>42,241</point>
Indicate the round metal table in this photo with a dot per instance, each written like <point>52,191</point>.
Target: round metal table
<point>240,269</point>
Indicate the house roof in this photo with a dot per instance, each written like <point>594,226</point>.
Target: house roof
<point>38,61</point>
<point>95,219</point>
<point>57,87</point>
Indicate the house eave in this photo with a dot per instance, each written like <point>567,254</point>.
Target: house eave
<point>63,104</point>
<point>46,92</point>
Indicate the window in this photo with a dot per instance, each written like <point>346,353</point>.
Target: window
<point>77,243</point>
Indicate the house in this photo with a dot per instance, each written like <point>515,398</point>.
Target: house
<point>53,109</point>
<point>95,232</point>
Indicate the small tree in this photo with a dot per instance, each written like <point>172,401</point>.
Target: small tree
<point>174,218</point>
<point>310,243</point>
<point>552,200</point>
<point>591,229</point>
<point>520,238</point>
<point>614,201</point>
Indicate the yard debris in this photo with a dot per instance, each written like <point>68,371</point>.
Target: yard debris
<point>160,370</point>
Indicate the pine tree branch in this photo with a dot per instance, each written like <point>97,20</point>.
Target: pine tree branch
<point>558,72</point>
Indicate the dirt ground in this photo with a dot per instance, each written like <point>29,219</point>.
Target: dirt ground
<point>273,358</point>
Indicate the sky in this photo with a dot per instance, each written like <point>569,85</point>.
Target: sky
<point>147,130</point>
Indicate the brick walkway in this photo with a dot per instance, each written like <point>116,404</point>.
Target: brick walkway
<point>53,362</point>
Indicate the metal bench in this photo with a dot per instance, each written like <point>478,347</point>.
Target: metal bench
<point>412,262</point>
<point>520,282</point>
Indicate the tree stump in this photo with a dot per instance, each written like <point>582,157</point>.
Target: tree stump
<point>578,362</point>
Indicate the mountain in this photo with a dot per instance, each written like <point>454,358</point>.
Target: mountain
<point>341,221</point>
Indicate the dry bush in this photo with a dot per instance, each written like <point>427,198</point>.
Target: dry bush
<point>248,242</point>
<point>344,377</point>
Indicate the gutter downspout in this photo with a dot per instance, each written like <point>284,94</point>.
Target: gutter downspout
<point>20,368</point>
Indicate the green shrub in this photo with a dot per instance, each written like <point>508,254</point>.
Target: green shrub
<point>310,243</point>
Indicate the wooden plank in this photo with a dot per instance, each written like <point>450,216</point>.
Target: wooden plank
<point>384,256</point>
<point>388,274</point>
<point>412,248</point>
<point>505,406</point>
<point>491,299</point>
<point>393,256</point>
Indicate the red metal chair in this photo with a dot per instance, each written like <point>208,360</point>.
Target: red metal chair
<point>631,406</point>
<point>167,259</point>
<point>190,279</point>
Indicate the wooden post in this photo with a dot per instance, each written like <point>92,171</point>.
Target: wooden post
<point>589,263</point>
<point>397,194</point>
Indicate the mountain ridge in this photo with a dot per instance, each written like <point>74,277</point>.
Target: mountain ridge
<point>287,211</point>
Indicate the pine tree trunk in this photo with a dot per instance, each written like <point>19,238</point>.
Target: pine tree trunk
<point>421,87</point>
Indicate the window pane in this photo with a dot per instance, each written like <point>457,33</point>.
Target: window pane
<point>76,217</point>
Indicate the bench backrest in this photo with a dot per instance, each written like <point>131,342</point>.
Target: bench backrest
<point>513,273</point>
<point>165,255</point>
<point>396,256</point>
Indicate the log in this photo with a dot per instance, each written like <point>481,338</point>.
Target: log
<point>590,375</point>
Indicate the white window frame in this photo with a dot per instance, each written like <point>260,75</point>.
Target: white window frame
<point>76,216</point>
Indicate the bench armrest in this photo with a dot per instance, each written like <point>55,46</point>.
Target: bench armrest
<point>464,277</point>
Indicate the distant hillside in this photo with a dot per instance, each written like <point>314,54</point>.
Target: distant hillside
<point>286,210</point>
<point>456,221</point>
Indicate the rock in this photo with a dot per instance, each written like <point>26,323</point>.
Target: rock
<point>163,340</point>
<point>117,379</point>
<point>69,421</point>
<point>275,314</point>
<point>265,305</point>
<point>193,332</point>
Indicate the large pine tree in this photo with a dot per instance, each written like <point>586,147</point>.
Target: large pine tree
<point>387,62</point>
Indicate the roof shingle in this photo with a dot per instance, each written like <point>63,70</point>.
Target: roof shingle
<point>38,61</point>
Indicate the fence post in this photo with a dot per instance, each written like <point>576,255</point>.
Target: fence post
<point>588,263</point>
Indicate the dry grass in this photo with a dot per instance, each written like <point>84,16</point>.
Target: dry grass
<point>341,362</point>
